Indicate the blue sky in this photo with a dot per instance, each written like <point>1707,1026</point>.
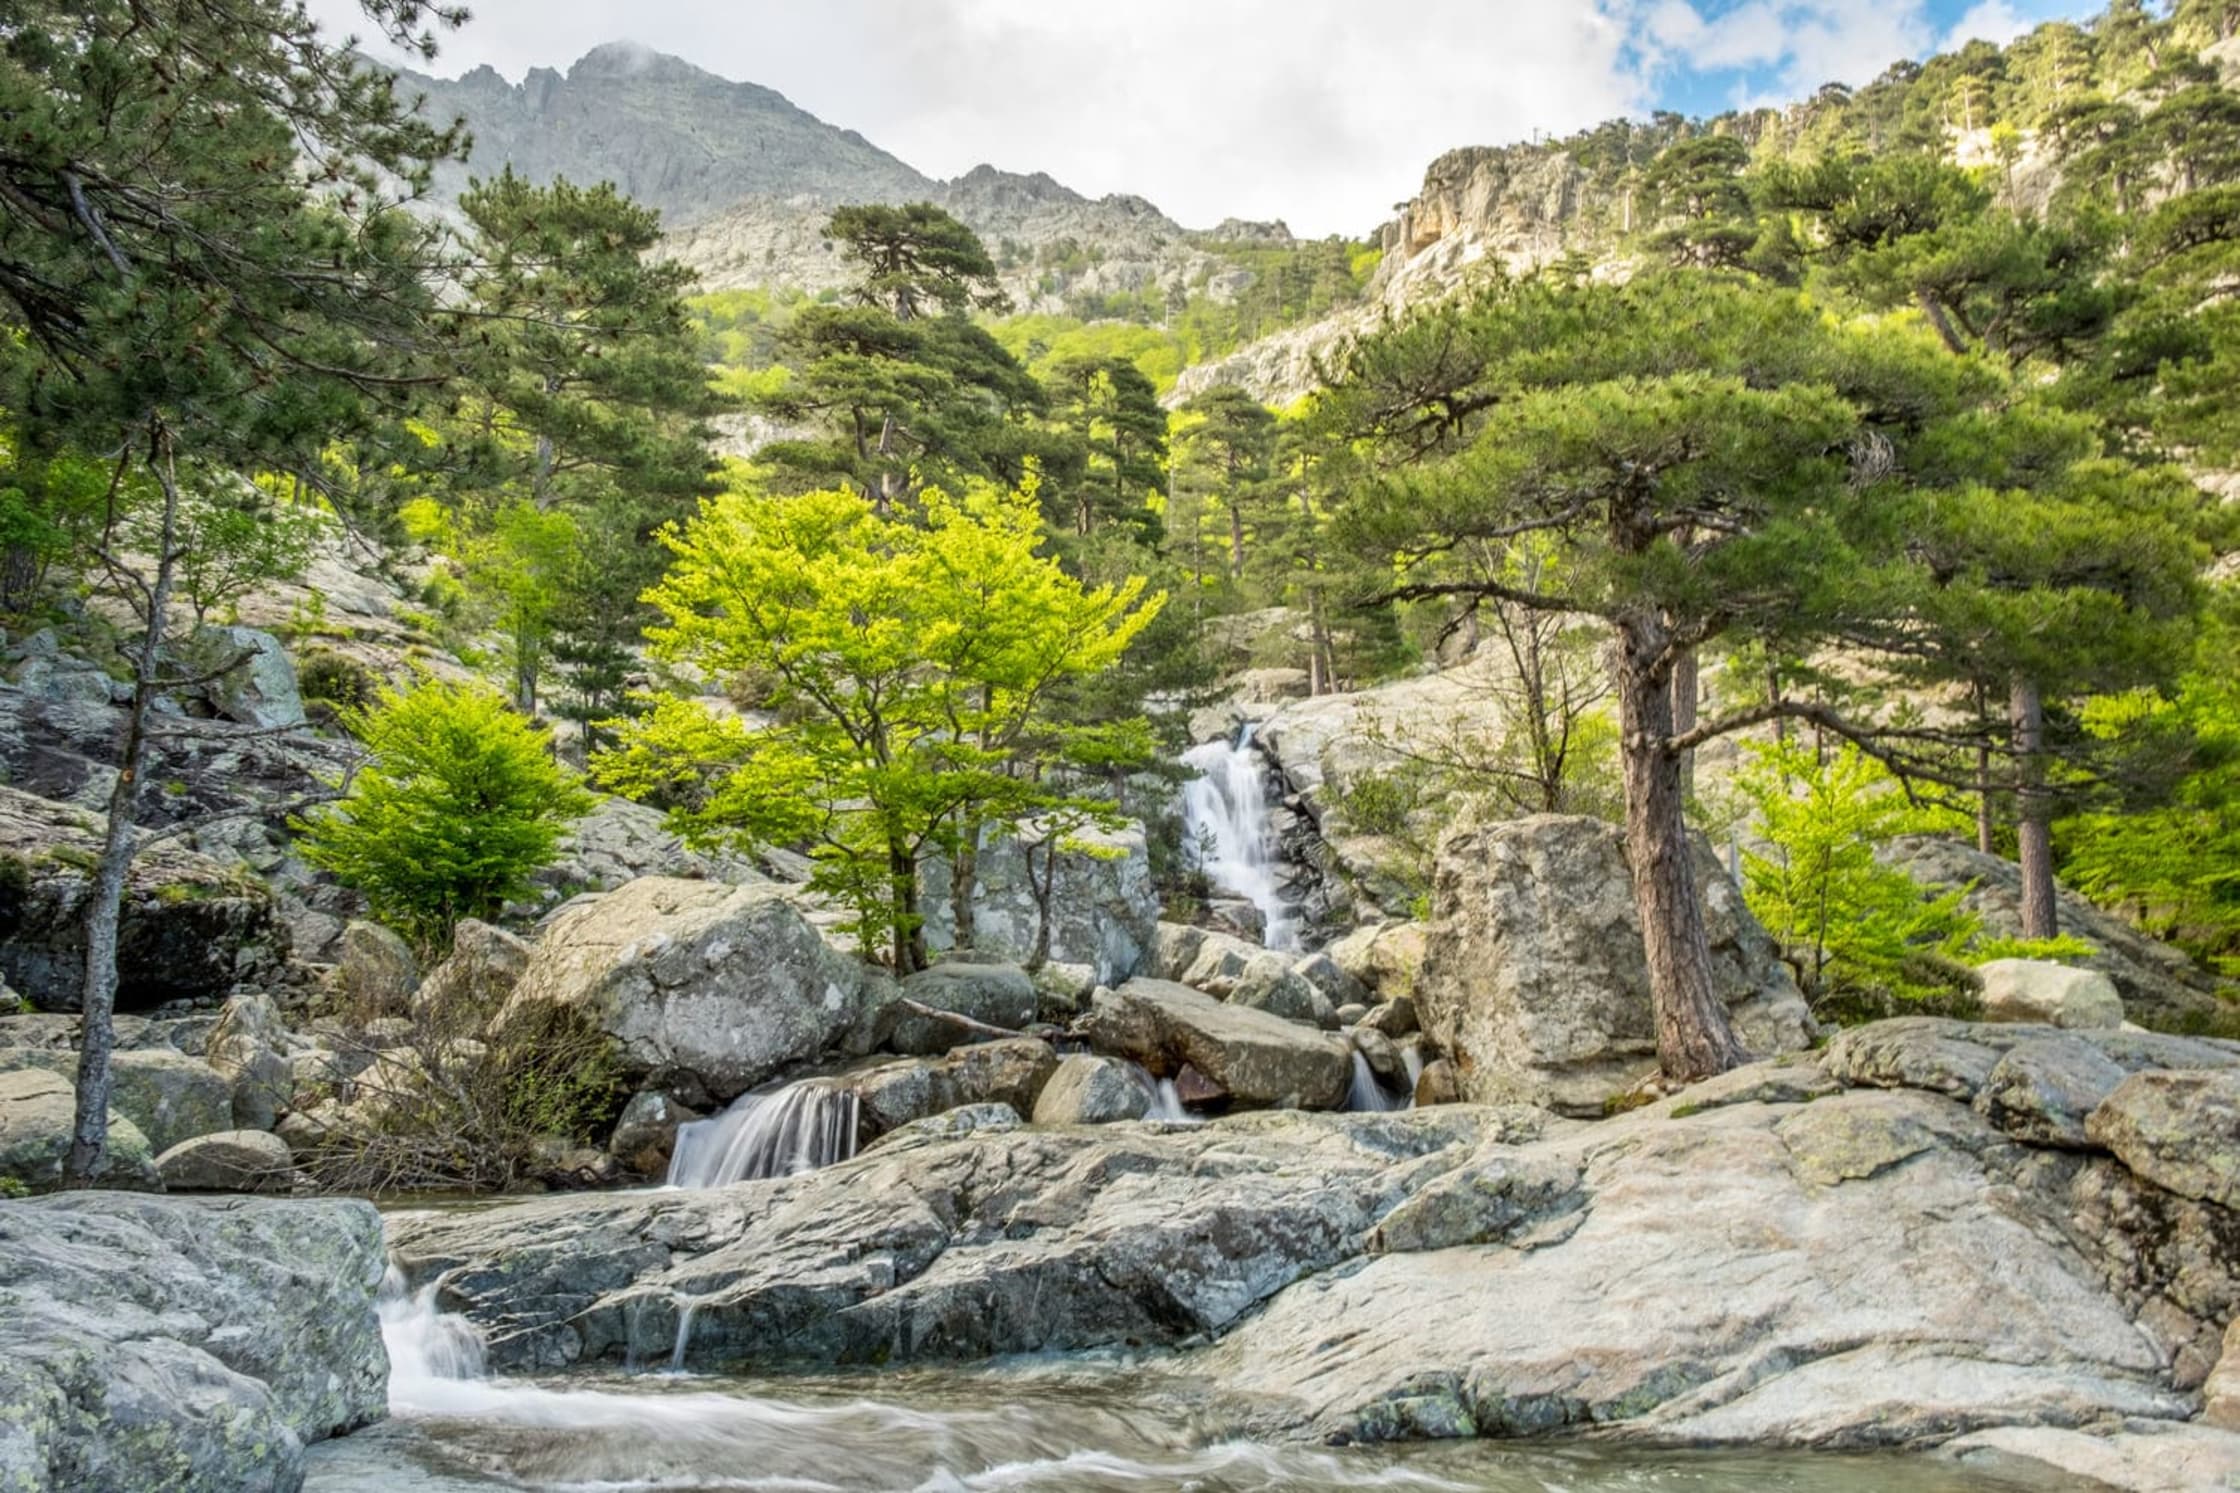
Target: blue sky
<point>1323,113</point>
<point>1748,52</point>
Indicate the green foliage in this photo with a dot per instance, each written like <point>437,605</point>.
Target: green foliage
<point>910,670</point>
<point>459,806</point>
<point>325,675</point>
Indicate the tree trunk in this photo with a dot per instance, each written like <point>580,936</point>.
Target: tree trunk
<point>909,928</point>
<point>1687,690</point>
<point>88,1160</point>
<point>964,884</point>
<point>1042,892</point>
<point>1236,540</point>
<point>2033,812</point>
<point>1694,1037</point>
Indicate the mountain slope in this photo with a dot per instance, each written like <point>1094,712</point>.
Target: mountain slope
<point>669,134</point>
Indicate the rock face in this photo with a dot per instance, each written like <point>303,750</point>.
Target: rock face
<point>1104,909</point>
<point>191,928</point>
<point>2180,1131</point>
<point>2040,990</point>
<point>376,974</point>
<point>193,1347</point>
<point>1003,1239</point>
<point>259,689</point>
<point>37,1109</point>
<point>993,994</point>
<point>249,1048</point>
<point>707,989</point>
<point>484,965</point>
<point>1255,1058</point>
<point>1533,978</point>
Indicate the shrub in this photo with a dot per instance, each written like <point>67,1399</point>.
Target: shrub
<point>459,806</point>
<point>341,682</point>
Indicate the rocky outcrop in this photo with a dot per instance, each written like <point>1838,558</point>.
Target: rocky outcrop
<point>249,1048</point>
<point>191,928</point>
<point>1004,1239</point>
<point>1104,910</point>
<point>484,965</point>
<point>37,1109</point>
<point>2160,986</point>
<point>252,681</point>
<point>1253,1058</point>
<point>228,1161</point>
<point>376,972</point>
<point>620,841</point>
<point>1533,979</point>
<point>2180,1131</point>
<point>707,989</point>
<point>189,1346</point>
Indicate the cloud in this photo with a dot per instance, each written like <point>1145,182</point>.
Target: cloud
<point>1994,21</point>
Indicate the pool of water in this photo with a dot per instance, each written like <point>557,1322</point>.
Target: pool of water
<point>1036,1427</point>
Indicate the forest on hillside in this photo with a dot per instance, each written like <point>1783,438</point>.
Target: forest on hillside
<point>1887,432</point>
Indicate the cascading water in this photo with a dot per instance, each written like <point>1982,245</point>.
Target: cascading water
<point>428,1350</point>
<point>1367,1095</point>
<point>1228,836</point>
<point>798,1128</point>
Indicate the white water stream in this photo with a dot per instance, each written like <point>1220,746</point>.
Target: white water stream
<point>1227,833</point>
<point>798,1128</point>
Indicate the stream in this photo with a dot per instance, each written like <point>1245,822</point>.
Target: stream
<point>1093,1424</point>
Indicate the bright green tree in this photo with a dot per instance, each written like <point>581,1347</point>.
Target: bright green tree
<point>460,804</point>
<point>1227,452</point>
<point>903,664</point>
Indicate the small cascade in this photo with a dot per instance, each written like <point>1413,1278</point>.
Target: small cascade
<point>798,1128</point>
<point>1366,1095</point>
<point>1227,831</point>
<point>684,1335</point>
<point>426,1347</point>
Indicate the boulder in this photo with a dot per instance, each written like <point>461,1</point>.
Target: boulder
<point>186,1345</point>
<point>949,1124</point>
<point>707,989</point>
<point>1394,1018</point>
<point>1533,979</point>
<point>2180,1131</point>
<point>228,1161</point>
<point>1385,957</point>
<point>376,974</point>
<point>1327,976</point>
<point>1218,961</point>
<point>1062,990</point>
<point>619,842</point>
<point>1010,1073</point>
<point>991,994</point>
<point>1438,1084</point>
<point>249,1048</point>
<point>646,1135</point>
<point>169,1096</point>
<point>258,689</point>
<point>37,1110</point>
<point>190,927</point>
<point>1104,909</point>
<point>1256,1058</point>
<point>2042,1091</point>
<point>484,965</point>
<point>2038,990</point>
<point>2143,1457</point>
<point>1173,950</point>
<point>1089,1090</point>
<point>1268,983</point>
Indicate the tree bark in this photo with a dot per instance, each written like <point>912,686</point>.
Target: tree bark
<point>88,1161</point>
<point>2033,812</point>
<point>1687,691</point>
<point>964,880</point>
<point>1694,1037</point>
<point>909,927</point>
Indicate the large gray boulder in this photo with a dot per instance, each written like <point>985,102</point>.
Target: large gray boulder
<point>1870,1269</point>
<point>707,989</point>
<point>998,995</point>
<point>484,965</point>
<point>1258,1059</point>
<point>37,1110</point>
<point>376,973</point>
<point>249,1047</point>
<point>1533,978</point>
<point>1104,909</point>
<point>189,1346</point>
<point>167,1095</point>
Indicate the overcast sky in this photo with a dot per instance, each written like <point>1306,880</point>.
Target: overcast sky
<point>1320,112</point>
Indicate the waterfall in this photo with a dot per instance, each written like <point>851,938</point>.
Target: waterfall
<point>426,1347</point>
<point>795,1129</point>
<point>1225,816</point>
<point>1367,1095</point>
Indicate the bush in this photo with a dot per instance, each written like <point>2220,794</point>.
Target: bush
<point>460,805</point>
<point>341,682</point>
